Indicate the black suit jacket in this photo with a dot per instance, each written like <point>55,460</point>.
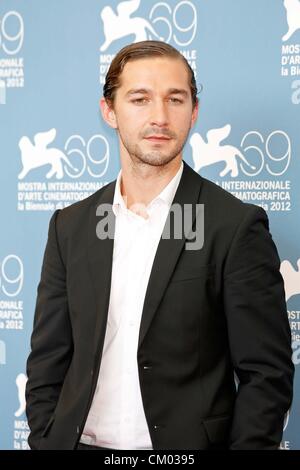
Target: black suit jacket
<point>207,314</point>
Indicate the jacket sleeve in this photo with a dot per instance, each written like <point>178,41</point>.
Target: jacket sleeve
<point>51,340</point>
<point>259,335</point>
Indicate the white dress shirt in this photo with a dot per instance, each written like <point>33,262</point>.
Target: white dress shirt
<point>116,418</point>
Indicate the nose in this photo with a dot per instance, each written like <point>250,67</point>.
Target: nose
<point>159,114</point>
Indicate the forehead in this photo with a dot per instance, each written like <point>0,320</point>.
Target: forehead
<point>157,72</point>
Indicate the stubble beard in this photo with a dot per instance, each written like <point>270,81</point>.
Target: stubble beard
<point>155,158</point>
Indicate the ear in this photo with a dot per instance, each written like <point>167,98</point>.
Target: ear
<point>195,113</point>
<point>108,113</point>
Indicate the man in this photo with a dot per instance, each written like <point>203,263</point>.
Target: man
<point>137,336</point>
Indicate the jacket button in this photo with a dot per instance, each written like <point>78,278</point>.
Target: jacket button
<point>147,367</point>
<point>156,427</point>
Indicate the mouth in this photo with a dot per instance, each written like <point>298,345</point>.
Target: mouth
<point>157,138</point>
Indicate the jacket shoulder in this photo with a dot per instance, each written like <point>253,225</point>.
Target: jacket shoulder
<point>222,200</point>
<point>225,212</point>
<point>72,219</point>
<point>76,208</point>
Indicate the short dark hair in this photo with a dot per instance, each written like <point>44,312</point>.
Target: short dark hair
<point>141,50</point>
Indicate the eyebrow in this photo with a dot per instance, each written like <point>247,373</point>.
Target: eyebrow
<point>170,91</point>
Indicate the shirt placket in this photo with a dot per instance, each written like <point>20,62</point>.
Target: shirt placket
<point>130,326</point>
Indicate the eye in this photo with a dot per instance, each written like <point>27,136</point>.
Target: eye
<point>139,100</point>
<point>175,100</point>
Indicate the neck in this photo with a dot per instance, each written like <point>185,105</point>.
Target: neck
<point>142,183</point>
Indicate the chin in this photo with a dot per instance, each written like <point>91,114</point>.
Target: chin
<point>155,159</point>
<point>156,162</point>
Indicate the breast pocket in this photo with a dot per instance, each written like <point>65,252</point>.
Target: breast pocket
<point>186,272</point>
<point>186,309</point>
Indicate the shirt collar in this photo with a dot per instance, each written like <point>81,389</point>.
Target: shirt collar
<point>166,195</point>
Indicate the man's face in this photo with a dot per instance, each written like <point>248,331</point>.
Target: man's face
<point>153,110</point>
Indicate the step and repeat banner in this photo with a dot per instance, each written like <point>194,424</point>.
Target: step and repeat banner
<point>55,149</point>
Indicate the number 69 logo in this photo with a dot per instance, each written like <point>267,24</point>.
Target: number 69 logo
<point>12,275</point>
<point>169,19</point>
<point>261,156</point>
<point>84,155</point>
<point>11,32</point>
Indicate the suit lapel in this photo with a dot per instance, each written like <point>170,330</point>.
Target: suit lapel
<point>168,251</point>
<point>100,254</point>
